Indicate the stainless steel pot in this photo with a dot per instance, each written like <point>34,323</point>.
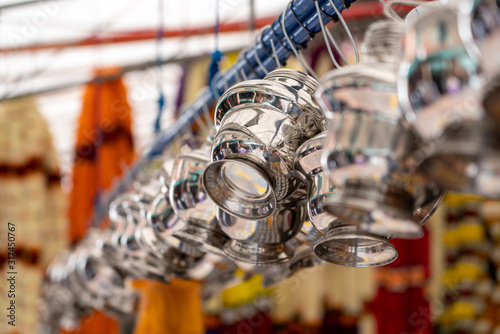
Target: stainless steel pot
<point>260,124</point>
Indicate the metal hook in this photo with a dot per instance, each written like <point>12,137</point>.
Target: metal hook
<point>243,74</point>
<point>347,30</point>
<point>215,91</point>
<point>184,132</point>
<point>307,69</point>
<point>327,35</point>
<point>257,59</point>
<point>279,40</point>
<point>391,13</point>
<point>259,38</point>
<point>275,55</point>
<point>242,54</point>
<point>202,124</point>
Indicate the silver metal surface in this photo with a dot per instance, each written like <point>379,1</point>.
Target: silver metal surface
<point>260,124</point>
<point>182,265</point>
<point>321,190</point>
<point>349,246</point>
<point>441,89</point>
<point>437,76</point>
<point>369,147</point>
<point>367,138</point>
<point>262,242</point>
<point>303,256</point>
<point>190,202</point>
<point>479,28</point>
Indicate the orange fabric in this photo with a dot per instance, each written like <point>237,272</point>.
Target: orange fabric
<point>173,308</point>
<point>103,148</point>
<point>96,323</point>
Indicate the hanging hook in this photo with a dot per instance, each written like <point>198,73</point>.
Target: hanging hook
<point>327,35</point>
<point>256,56</point>
<point>324,30</point>
<point>391,13</point>
<point>311,34</point>
<point>243,56</point>
<point>259,38</point>
<point>307,69</point>
<point>272,55</point>
<point>243,74</point>
<point>347,30</point>
<point>202,124</point>
<point>213,85</point>
<point>275,55</point>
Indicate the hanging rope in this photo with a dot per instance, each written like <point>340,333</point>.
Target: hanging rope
<point>217,55</point>
<point>159,67</point>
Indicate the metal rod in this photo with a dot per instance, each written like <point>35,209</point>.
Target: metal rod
<point>104,78</point>
<point>139,35</point>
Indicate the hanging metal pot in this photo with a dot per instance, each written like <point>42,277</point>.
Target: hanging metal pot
<point>101,279</point>
<point>145,196</point>
<point>60,309</point>
<point>161,215</point>
<point>262,242</point>
<point>138,255</point>
<point>479,28</point>
<point>260,124</point>
<point>369,142</point>
<point>189,199</point>
<point>303,256</point>
<point>441,91</point>
<point>356,248</point>
<point>111,244</point>
<point>350,246</point>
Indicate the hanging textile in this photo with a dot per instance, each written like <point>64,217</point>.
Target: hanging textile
<point>470,297</point>
<point>401,290</point>
<point>173,308</point>
<point>32,199</point>
<point>104,147</point>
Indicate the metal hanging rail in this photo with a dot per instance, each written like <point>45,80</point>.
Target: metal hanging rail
<point>301,22</point>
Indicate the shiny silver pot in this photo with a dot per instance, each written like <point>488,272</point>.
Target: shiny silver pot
<point>260,124</point>
<point>303,256</point>
<point>262,242</point>
<point>356,248</point>
<point>441,90</point>
<point>190,202</point>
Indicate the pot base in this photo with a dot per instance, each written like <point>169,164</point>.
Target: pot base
<point>303,258</point>
<point>206,240</point>
<point>467,159</point>
<point>377,209</point>
<point>348,246</point>
<point>466,174</point>
<point>262,255</point>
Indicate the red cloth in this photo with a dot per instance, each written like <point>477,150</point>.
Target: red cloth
<point>260,323</point>
<point>401,307</point>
